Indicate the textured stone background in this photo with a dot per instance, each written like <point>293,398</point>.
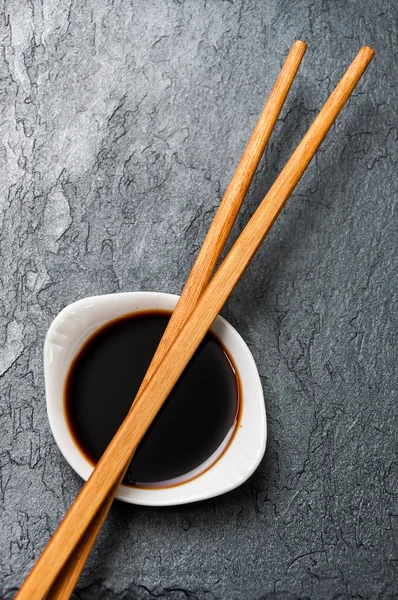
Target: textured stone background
<point>121,124</point>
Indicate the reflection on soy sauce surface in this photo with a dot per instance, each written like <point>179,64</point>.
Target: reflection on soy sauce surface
<point>198,415</point>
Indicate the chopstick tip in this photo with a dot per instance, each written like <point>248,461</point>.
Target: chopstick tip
<point>300,44</point>
<point>364,56</point>
<point>368,50</point>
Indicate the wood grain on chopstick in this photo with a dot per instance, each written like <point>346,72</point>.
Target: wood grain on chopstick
<point>122,447</point>
<point>199,277</point>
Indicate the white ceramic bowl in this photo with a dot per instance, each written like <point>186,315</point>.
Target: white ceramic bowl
<point>68,332</point>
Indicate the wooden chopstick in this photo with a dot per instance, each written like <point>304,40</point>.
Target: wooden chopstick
<point>198,279</point>
<point>122,447</point>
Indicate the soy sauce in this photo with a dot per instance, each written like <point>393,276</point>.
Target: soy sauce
<point>199,415</point>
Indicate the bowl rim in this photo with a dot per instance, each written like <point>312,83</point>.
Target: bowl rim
<point>75,324</point>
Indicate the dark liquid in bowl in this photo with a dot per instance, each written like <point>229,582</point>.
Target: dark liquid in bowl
<point>196,418</point>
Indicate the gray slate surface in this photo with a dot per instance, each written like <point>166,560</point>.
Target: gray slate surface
<point>121,124</point>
